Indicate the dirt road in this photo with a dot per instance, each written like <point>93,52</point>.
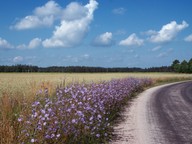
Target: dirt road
<point>160,115</point>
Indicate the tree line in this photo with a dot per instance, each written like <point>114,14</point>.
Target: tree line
<point>183,67</point>
<point>80,69</point>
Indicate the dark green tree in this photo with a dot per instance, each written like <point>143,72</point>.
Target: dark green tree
<point>176,66</point>
<point>184,67</point>
<point>190,66</point>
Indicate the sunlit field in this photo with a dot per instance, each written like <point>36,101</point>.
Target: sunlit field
<point>66,107</point>
<point>29,83</point>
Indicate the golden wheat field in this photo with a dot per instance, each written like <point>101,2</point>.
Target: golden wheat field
<point>18,94</point>
<point>27,84</point>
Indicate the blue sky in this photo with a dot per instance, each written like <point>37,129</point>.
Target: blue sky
<point>106,33</point>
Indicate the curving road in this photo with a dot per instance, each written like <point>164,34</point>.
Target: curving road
<point>160,115</point>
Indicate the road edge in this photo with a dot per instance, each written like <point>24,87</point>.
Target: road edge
<point>135,126</point>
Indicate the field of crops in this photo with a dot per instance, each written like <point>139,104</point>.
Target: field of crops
<point>28,83</point>
<point>67,108</point>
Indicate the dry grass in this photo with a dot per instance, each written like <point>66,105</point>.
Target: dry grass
<point>18,91</point>
<point>27,84</point>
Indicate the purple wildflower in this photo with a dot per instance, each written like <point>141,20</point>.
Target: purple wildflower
<point>20,119</point>
<point>73,121</point>
<point>32,140</point>
<point>98,135</point>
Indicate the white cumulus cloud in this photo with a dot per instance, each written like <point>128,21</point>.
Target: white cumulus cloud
<point>167,32</point>
<point>74,11</point>
<point>131,41</point>
<point>4,44</point>
<point>50,8</point>
<point>34,43</point>
<point>17,59</point>
<point>42,16</point>
<point>72,29</point>
<point>105,39</point>
<point>30,22</point>
<point>74,23</point>
<point>188,38</point>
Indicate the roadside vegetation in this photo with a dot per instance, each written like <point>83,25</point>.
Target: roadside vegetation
<point>72,108</point>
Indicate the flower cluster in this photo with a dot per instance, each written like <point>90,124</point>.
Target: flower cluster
<point>79,113</point>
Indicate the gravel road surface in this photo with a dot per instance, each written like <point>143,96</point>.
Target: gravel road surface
<point>160,115</point>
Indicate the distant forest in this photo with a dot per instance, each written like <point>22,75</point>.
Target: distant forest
<point>177,66</point>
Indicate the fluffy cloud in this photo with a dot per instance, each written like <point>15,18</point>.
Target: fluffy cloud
<point>132,40</point>
<point>50,8</point>
<point>167,32</point>
<point>74,11</point>
<point>188,38</point>
<point>73,28</point>
<point>42,16</point>
<point>119,11</point>
<point>30,22</point>
<point>34,43</point>
<point>75,20</point>
<point>17,59</point>
<point>5,44</point>
<point>104,40</point>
